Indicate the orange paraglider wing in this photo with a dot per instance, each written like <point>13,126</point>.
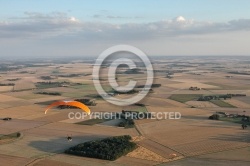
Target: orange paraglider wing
<point>79,105</point>
<point>69,103</point>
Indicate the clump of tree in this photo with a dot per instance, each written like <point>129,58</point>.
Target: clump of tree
<point>46,84</point>
<point>237,72</point>
<point>127,123</point>
<point>7,84</point>
<point>134,71</point>
<point>10,136</point>
<point>13,79</point>
<point>50,93</point>
<point>156,85</point>
<point>115,92</point>
<point>23,72</point>
<point>71,75</point>
<point>152,86</point>
<point>108,149</point>
<point>128,117</point>
<point>46,77</point>
<point>38,65</point>
<point>214,117</point>
<point>95,96</point>
<point>194,88</point>
<point>139,104</point>
<point>245,119</point>
<point>215,97</point>
<point>238,95</point>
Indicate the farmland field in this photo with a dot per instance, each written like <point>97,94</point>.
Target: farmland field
<point>233,120</point>
<point>184,97</point>
<point>6,88</point>
<point>24,84</point>
<point>222,103</point>
<point>160,141</point>
<point>238,103</point>
<point>205,104</point>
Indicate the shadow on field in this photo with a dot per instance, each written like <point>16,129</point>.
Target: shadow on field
<point>61,144</point>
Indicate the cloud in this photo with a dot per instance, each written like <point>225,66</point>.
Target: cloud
<point>101,16</point>
<point>41,16</point>
<point>37,25</point>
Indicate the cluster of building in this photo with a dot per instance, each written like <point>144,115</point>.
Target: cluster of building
<point>194,88</point>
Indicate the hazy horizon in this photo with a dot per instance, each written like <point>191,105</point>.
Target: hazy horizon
<point>86,28</point>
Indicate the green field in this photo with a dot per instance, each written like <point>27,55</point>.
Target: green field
<point>84,87</point>
<point>55,71</point>
<point>45,86</point>
<point>221,103</point>
<point>140,109</point>
<point>184,97</point>
<point>233,120</point>
<point>10,136</point>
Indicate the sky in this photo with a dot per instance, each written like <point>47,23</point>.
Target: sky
<point>157,27</point>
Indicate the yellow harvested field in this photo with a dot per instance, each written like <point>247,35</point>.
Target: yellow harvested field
<point>5,98</point>
<point>24,84</point>
<point>187,134</point>
<point>13,160</point>
<point>3,106</point>
<point>103,106</point>
<point>145,154</point>
<point>22,111</point>
<point>176,103</point>
<point>26,95</point>
<point>6,88</point>
<point>48,162</point>
<point>184,111</point>
<point>163,151</point>
<point>47,98</point>
<point>155,101</point>
<point>205,104</point>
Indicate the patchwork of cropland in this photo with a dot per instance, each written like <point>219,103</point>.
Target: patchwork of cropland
<point>194,86</point>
